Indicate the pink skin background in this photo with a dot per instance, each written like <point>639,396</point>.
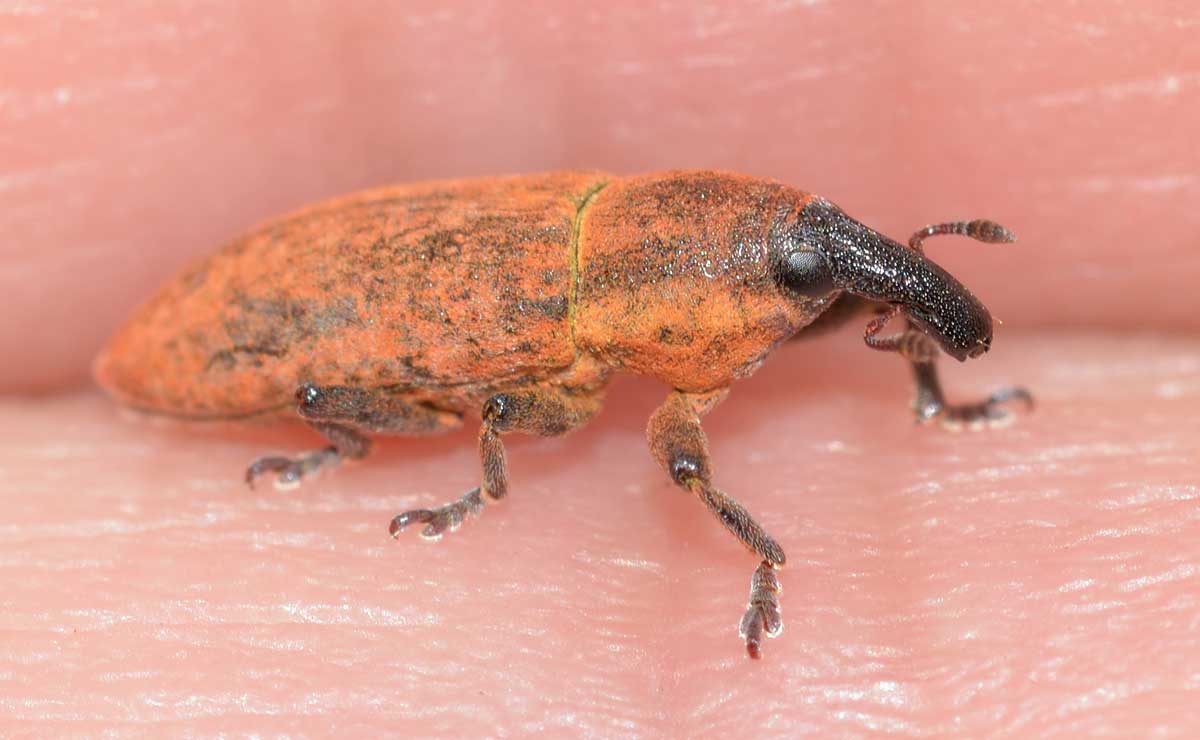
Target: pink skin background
<point>1040,579</point>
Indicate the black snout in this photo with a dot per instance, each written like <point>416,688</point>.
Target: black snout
<point>869,264</point>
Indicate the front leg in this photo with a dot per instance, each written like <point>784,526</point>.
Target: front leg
<point>921,352</point>
<point>680,446</point>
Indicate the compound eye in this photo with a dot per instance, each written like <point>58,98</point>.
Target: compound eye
<point>806,273</point>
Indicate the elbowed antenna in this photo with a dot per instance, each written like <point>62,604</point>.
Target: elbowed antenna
<point>980,230</point>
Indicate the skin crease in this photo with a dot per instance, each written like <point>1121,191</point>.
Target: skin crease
<point>1035,580</point>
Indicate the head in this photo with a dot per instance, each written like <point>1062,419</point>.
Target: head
<point>825,250</point>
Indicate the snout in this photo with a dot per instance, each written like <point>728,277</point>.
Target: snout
<point>866,263</point>
<point>983,346</point>
<point>962,327</point>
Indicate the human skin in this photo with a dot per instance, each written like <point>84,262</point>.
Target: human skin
<point>1034,580</point>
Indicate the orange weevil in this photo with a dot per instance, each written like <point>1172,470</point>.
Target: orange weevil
<point>403,309</point>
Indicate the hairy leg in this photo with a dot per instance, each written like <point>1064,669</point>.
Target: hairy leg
<point>921,352</point>
<point>545,411</point>
<point>679,445</point>
<point>341,414</point>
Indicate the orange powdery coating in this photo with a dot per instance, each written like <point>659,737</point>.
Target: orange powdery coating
<point>442,290</point>
<point>448,292</point>
<point>676,280</point>
<point>400,310</point>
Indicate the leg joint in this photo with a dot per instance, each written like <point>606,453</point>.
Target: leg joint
<point>497,410</point>
<point>685,468</point>
<point>548,413</point>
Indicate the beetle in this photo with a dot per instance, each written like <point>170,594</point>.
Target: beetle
<point>402,310</point>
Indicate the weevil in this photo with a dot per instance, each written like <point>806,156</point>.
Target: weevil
<point>404,310</point>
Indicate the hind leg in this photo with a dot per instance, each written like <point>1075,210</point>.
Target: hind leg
<point>342,414</point>
<point>547,412</point>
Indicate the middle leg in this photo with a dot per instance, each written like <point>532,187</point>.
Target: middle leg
<point>546,411</point>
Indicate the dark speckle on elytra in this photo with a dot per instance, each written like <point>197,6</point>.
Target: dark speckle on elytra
<point>440,245</point>
<point>411,364</point>
<point>227,359</point>
<point>670,335</point>
<point>554,307</point>
<point>275,326</point>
